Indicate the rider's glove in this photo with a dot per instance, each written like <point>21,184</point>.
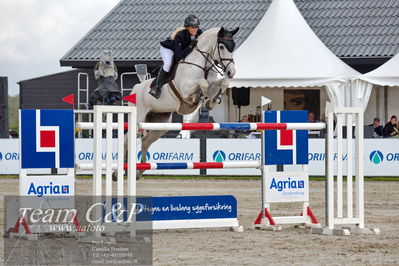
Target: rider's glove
<point>193,43</point>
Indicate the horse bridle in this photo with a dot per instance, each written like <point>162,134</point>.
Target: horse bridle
<point>231,60</point>
<point>215,65</point>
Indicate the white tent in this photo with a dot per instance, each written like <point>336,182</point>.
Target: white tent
<point>385,75</point>
<point>283,51</point>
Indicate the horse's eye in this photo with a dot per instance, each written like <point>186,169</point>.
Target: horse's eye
<point>221,47</point>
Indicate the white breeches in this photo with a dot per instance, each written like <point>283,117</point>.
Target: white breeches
<point>167,58</point>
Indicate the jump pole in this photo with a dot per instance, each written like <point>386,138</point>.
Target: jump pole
<point>173,166</point>
<point>213,126</point>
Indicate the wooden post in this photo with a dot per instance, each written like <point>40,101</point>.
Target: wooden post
<point>4,125</point>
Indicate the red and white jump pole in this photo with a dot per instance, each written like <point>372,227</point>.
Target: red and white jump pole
<point>213,126</point>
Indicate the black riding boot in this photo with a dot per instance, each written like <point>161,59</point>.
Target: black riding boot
<point>161,79</point>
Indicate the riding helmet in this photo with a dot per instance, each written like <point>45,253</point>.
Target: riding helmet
<point>192,21</point>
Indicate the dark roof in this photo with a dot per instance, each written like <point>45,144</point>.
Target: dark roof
<point>47,91</point>
<point>133,28</point>
<point>355,28</point>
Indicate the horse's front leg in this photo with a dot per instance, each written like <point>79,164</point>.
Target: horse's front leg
<point>216,91</point>
<point>201,84</point>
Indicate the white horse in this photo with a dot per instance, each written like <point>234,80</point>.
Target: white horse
<point>196,82</point>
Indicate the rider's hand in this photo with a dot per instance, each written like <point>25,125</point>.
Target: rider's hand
<point>193,43</point>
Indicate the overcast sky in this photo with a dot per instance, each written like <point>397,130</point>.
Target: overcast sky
<point>35,34</point>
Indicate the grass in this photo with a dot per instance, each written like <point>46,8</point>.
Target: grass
<point>312,178</point>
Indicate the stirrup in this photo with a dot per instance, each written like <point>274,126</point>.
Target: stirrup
<point>156,93</point>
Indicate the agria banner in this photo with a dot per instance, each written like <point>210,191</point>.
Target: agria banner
<point>46,141</point>
<point>47,138</point>
<point>285,147</point>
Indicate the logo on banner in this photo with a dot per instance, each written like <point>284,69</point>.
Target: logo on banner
<point>1,156</point>
<point>219,156</point>
<point>47,138</point>
<point>49,189</point>
<point>286,184</point>
<point>286,146</point>
<point>147,156</point>
<point>376,157</point>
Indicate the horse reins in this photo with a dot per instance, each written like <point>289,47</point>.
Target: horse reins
<point>215,65</point>
<point>231,60</point>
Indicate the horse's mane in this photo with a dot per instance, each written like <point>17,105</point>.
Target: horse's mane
<point>207,33</point>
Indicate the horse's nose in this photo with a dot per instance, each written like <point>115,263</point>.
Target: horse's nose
<point>230,74</point>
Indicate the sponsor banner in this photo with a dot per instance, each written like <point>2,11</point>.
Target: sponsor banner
<point>193,207</point>
<point>233,150</point>
<point>47,191</point>
<point>286,187</point>
<point>47,138</point>
<point>172,151</point>
<point>9,158</point>
<point>182,208</point>
<point>56,185</point>
<point>381,156</point>
<point>162,151</point>
<point>285,147</point>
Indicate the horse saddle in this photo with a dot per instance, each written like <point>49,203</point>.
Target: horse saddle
<point>171,76</point>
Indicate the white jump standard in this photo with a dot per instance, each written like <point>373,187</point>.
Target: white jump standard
<point>335,222</point>
<point>286,147</point>
<point>111,228</point>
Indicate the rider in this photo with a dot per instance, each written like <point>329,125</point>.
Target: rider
<point>178,45</point>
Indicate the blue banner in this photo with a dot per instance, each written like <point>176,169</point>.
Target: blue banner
<point>184,208</point>
<point>285,147</point>
<point>47,138</point>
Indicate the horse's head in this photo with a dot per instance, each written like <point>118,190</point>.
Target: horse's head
<point>217,46</point>
<point>224,53</point>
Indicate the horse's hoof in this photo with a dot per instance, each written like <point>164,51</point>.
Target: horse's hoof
<point>114,178</point>
<point>207,106</point>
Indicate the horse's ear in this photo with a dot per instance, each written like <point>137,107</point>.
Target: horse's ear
<point>235,31</point>
<point>221,32</point>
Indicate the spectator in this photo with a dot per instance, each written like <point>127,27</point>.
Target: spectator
<point>13,134</point>
<point>390,129</point>
<point>243,133</point>
<point>313,133</point>
<point>311,117</point>
<point>378,129</point>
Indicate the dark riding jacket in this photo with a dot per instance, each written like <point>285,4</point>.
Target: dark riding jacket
<point>390,130</point>
<point>181,44</point>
